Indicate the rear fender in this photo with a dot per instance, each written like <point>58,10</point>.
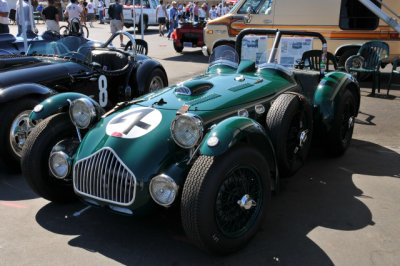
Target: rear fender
<point>25,89</point>
<point>143,73</point>
<point>327,97</point>
<point>236,130</point>
<point>56,104</point>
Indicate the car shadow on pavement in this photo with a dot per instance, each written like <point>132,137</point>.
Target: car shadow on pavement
<point>321,194</point>
<point>13,186</point>
<point>188,56</point>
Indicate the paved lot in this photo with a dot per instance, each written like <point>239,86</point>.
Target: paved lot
<point>342,211</point>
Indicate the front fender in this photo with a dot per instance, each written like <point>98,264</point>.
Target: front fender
<point>236,130</point>
<point>143,73</point>
<point>328,94</point>
<point>55,104</point>
<point>25,89</point>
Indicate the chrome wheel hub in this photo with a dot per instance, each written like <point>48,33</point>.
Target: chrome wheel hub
<point>156,84</point>
<point>21,127</point>
<point>303,137</point>
<point>351,122</point>
<point>246,202</point>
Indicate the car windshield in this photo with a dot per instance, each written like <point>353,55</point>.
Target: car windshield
<point>224,55</point>
<point>68,47</point>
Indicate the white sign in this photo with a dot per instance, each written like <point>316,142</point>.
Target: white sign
<point>134,123</point>
<point>254,48</point>
<point>292,49</point>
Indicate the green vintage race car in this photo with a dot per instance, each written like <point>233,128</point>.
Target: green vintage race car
<point>216,144</point>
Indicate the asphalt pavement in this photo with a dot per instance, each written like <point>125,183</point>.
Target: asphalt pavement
<point>342,211</point>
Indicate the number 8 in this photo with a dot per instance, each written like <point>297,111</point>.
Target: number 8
<point>103,93</point>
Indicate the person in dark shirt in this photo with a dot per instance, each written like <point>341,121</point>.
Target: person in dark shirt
<point>51,17</point>
<point>117,18</point>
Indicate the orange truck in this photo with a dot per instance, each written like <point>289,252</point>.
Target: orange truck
<point>346,24</point>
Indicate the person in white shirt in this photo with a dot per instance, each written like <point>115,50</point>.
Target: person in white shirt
<point>4,10</point>
<point>100,8</point>
<point>213,13</point>
<point>25,19</point>
<point>74,11</point>
<point>91,12</point>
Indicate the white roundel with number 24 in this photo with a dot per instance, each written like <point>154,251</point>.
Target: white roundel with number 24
<point>103,93</point>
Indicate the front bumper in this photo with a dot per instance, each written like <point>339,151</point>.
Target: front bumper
<point>205,50</point>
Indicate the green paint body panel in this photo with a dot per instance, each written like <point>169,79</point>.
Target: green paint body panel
<point>56,103</point>
<point>327,97</point>
<point>156,152</point>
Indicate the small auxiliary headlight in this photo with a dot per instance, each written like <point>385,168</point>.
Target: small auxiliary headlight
<point>187,130</point>
<point>243,113</point>
<point>82,113</point>
<point>59,164</point>
<point>260,109</point>
<point>163,190</point>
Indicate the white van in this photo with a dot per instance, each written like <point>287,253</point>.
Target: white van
<point>346,24</point>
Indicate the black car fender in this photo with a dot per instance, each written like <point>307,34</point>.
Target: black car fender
<point>234,130</point>
<point>15,92</point>
<point>143,72</point>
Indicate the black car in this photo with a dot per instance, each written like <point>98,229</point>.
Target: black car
<point>71,64</point>
<point>9,44</point>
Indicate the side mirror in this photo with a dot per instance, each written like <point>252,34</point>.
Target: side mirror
<point>250,10</point>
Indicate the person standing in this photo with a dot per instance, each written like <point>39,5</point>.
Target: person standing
<point>4,10</point>
<point>39,8</point>
<point>100,8</point>
<point>173,19</point>
<point>161,17</point>
<point>91,12</point>
<point>202,13</point>
<point>28,21</point>
<point>50,17</point>
<point>117,18</point>
<point>73,11</point>
<point>196,11</point>
<point>213,13</point>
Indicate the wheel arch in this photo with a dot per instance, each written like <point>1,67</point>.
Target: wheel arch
<point>341,49</point>
<point>19,91</point>
<point>327,98</point>
<point>222,42</point>
<point>241,130</point>
<point>56,104</point>
<point>143,72</point>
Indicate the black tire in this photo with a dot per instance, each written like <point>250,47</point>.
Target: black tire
<point>10,114</point>
<point>205,204</point>
<point>157,80</point>
<point>341,133</point>
<point>177,48</point>
<point>145,25</point>
<point>343,58</point>
<point>287,118</point>
<point>35,155</point>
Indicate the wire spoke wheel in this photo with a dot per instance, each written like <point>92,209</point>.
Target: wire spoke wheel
<point>233,219</point>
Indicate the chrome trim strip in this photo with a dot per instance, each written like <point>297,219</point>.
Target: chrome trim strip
<point>91,180</point>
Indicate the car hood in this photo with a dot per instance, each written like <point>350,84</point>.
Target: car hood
<point>34,70</point>
<point>212,92</point>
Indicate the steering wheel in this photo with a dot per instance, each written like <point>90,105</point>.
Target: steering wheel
<point>117,72</point>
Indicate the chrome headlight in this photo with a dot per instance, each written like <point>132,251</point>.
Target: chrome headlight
<point>187,130</point>
<point>163,190</point>
<point>59,164</point>
<point>82,113</point>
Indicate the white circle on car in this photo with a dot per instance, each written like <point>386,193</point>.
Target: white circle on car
<point>134,123</point>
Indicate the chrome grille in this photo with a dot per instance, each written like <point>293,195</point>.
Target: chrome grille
<point>103,176</point>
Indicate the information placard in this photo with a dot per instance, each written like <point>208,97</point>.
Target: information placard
<point>254,48</point>
<point>292,49</point>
